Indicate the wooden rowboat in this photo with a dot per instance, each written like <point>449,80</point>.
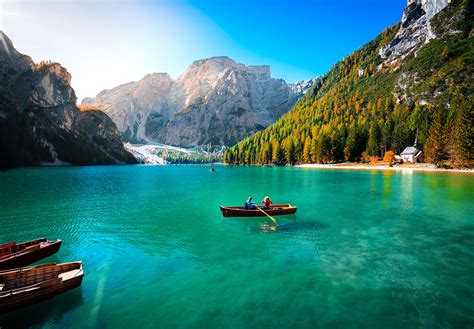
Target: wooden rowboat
<point>13,255</point>
<point>275,210</point>
<point>24,286</point>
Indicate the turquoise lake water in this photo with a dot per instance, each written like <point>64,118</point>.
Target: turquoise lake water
<point>365,249</point>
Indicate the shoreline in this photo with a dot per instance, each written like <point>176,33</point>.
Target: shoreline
<point>402,168</point>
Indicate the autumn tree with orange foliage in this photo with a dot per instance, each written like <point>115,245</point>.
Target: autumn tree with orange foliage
<point>389,157</point>
<point>347,116</point>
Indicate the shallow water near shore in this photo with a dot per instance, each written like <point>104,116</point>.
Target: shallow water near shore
<point>365,249</point>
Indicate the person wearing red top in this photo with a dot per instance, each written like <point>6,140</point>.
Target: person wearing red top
<point>266,203</point>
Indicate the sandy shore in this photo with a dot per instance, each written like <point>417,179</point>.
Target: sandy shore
<point>403,168</point>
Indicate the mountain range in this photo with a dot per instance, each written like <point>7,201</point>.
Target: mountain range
<point>412,84</point>
<point>215,101</point>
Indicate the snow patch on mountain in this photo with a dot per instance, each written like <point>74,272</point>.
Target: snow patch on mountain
<point>145,153</point>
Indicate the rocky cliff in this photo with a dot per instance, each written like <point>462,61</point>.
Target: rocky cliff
<point>415,28</point>
<point>39,120</point>
<point>215,101</point>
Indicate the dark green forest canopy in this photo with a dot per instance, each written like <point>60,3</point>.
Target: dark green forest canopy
<point>364,106</point>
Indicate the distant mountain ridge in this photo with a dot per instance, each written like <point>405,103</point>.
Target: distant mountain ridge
<point>215,101</point>
<point>413,82</point>
<point>39,120</point>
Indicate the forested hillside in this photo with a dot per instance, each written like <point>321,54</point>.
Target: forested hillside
<point>366,105</point>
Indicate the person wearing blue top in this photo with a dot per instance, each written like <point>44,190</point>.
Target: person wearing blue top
<point>249,204</point>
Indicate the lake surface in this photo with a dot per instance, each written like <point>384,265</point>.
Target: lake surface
<point>365,249</point>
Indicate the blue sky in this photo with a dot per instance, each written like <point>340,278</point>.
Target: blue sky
<point>105,43</point>
<point>301,38</point>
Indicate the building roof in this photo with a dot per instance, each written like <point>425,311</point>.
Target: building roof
<point>410,150</point>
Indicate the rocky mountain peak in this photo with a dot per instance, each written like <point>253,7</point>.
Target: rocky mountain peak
<point>6,45</point>
<point>215,60</point>
<point>300,88</point>
<point>53,69</point>
<point>209,67</point>
<point>157,77</point>
<point>220,65</point>
<point>9,55</point>
<point>50,85</point>
<point>216,100</point>
<point>39,120</point>
<point>415,28</point>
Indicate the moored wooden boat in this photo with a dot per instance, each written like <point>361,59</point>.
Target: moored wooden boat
<point>275,210</point>
<point>13,255</point>
<point>24,286</point>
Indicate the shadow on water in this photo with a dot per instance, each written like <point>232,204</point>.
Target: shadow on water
<point>51,310</point>
<point>293,226</point>
<point>283,224</point>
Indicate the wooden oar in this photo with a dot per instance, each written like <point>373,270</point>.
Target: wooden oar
<point>273,219</point>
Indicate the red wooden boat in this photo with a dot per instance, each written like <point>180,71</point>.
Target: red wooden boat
<point>24,286</point>
<point>13,255</point>
<point>275,210</point>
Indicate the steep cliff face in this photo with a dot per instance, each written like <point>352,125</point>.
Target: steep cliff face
<point>133,104</point>
<point>39,121</point>
<point>215,101</point>
<point>415,28</point>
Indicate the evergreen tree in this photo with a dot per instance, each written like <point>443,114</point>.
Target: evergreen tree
<point>290,151</point>
<point>307,151</point>
<point>345,115</point>
<point>323,149</point>
<point>314,147</point>
<point>435,151</point>
<point>374,139</point>
<point>386,135</point>
<point>350,148</point>
<point>464,131</point>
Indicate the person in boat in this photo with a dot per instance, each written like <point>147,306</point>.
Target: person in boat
<point>266,203</point>
<point>249,204</point>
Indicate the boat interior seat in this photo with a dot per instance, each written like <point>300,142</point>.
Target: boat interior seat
<point>69,274</point>
<point>45,284</point>
<point>33,247</point>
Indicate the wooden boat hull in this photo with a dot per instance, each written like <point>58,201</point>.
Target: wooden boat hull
<point>275,210</point>
<point>27,257</point>
<point>27,295</point>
